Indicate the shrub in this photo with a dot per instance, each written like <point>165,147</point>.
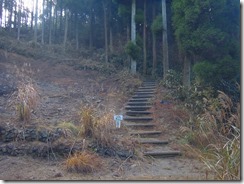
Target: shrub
<point>172,79</point>
<point>85,162</point>
<point>204,71</point>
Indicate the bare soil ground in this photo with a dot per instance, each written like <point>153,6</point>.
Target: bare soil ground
<point>63,91</point>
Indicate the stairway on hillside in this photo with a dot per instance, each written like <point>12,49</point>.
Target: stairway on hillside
<point>142,126</point>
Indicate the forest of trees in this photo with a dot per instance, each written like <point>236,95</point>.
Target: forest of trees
<point>199,38</point>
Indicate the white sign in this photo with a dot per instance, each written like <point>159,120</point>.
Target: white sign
<point>118,119</point>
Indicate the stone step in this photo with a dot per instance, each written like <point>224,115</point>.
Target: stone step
<point>138,118</point>
<point>149,87</point>
<point>139,124</point>
<point>138,108</point>
<point>146,133</point>
<point>144,93</point>
<point>162,153</point>
<point>146,90</point>
<point>148,83</point>
<point>142,96</point>
<point>134,113</point>
<point>151,141</point>
<point>140,100</point>
<point>138,103</point>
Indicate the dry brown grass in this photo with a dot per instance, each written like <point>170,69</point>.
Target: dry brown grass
<point>27,99</point>
<point>88,120</point>
<point>217,137</point>
<point>70,129</point>
<point>83,162</point>
<point>103,131</point>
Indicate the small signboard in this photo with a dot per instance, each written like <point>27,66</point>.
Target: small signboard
<point>118,119</point>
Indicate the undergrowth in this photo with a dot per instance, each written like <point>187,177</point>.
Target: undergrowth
<point>212,132</point>
<point>216,137</point>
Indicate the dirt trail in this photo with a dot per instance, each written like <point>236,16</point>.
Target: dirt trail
<point>63,90</point>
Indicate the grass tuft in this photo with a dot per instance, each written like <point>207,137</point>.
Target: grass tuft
<point>83,162</point>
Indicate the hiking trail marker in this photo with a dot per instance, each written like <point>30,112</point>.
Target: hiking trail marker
<point>118,119</point>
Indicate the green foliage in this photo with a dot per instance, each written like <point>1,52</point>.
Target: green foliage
<point>123,11</point>
<point>209,30</point>
<point>204,71</point>
<point>133,50</point>
<point>157,25</point>
<point>226,69</point>
<point>139,17</point>
<point>139,41</point>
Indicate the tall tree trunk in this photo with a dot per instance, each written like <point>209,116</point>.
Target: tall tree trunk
<point>10,16</point>
<point>19,19</point>
<point>61,18</point>
<point>36,16</point>
<point>66,28</point>
<point>145,39</point>
<point>15,16</point>
<point>55,23</point>
<point>77,31</point>
<point>165,40</point>
<point>128,32</point>
<point>154,41</point>
<point>1,14</point>
<point>111,46</point>
<point>50,22</point>
<point>91,29</point>
<point>187,72</point>
<point>6,18</point>
<point>43,20</point>
<point>133,33</point>
<point>105,31</point>
<point>32,15</point>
